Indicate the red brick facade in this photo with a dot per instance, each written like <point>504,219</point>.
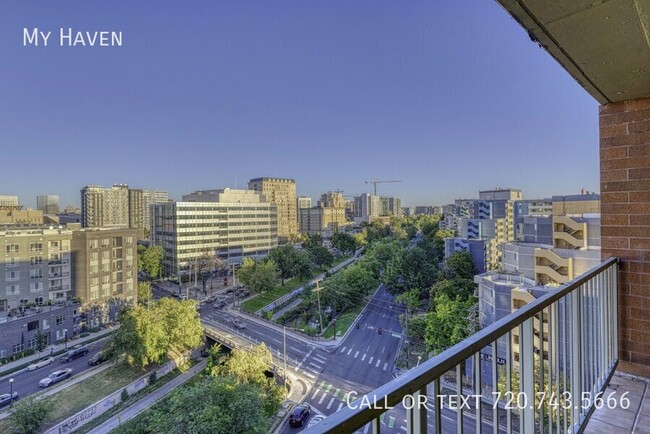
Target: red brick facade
<point>625,210</point>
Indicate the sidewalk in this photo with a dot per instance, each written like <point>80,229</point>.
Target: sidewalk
<point>144,403</point>
<point>52,349</point>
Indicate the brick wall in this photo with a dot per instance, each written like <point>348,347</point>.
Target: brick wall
<point>625,212</point>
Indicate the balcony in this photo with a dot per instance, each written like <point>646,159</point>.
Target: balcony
<point>561,383</point>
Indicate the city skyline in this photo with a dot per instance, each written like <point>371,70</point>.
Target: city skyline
<point>448,98</point>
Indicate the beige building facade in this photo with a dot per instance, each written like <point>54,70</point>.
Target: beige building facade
<point>281,192</point>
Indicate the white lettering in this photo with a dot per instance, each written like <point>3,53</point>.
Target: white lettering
<point>91,39</point>
<point>63,36</point>
<point>116,39</point>
<point>352,394</point>
<point>33,37</point>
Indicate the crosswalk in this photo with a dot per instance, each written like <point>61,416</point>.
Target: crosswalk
<point>370,360</point>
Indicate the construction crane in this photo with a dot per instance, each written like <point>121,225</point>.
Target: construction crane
<point>375,182</point>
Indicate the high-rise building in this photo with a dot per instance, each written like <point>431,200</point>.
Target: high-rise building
<point>326,218</point>
<point>304,202</point>
<point>118,206</point>
<point>232,224</point>
<point>281,192</point>
<point>332,199</point>
<point>48,203</point>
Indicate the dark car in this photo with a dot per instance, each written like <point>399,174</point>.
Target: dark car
<point>74,354</point>
<point>380,330</point>
<point>299,415</point>
<point>97,358</point>
<point>5,398</point>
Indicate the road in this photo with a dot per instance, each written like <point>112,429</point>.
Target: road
<point>26,382</point>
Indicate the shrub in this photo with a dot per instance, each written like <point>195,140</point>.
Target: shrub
<point>153,377</point>
<point>84,334</point>
<point>124,395</point>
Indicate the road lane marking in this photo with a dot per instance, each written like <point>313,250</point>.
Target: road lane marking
<point>382,417</point>
<point>296,349</point>
<point>312,376</point>
<point>315,393</point>
<point>337,393</point>
<point>315,365</point>
<point>383,349</point>
<point>391,421</point>
<point>378,362</point>
<point>319,358</point>
<point>322,384</point>
<point>322,398</point>
<point>403,427</point>
<point>364,357</point>
<point>340,406</point>
<point>385,366</point>
<point>330,404</point>
<point>343,350</point>
<point>328,388</point>
<point>356,354</point>
<point>349,351</point>
<point>370,361</point>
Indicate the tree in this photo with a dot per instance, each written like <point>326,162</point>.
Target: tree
<point>29,414</point>
<point>285,258</point>
<point>312,241</point>
<point>141,250</point>
<point>453,288</point>
<point>151,259</point>
<point>447,324</point>
<point>460,265</point>
<point>144,293</point>
<point>166,329</point>
<point>321,256</point>
<point>344,242</point>
<point>258,276</point>
<point>410,268</point>
<point>303,266</point>
<point>41,340</point>
<point>205,265</point>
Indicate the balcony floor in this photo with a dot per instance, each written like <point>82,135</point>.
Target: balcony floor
<point>635,419</point>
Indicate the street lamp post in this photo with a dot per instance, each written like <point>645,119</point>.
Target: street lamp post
<point>11,392</point>
<point>320,315</point>
<point>419,358</point>
<point>65,331</point>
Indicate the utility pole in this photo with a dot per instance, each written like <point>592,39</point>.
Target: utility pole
<point>320,315</point>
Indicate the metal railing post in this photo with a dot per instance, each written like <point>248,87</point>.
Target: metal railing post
<point>526,397</point>
<point>576,356</point>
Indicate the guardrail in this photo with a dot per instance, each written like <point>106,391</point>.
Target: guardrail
<point>558,354</point>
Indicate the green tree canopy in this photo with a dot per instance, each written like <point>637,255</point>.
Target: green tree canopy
<point>460,265</point>
<point>447,324</point>
<point>258,276</point>
<point>410,268</point>
<point>285,258</point>
<point>29,414</point>
<point>144,293</point>
<point>165,329</point>
<point>314,240</point>
<point>151,259</point>
<point>344,242</point>
<point>321,256</point>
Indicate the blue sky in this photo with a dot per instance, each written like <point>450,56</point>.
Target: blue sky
<point>450,97</point>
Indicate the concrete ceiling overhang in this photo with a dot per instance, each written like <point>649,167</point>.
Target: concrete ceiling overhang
<point>604,45</point>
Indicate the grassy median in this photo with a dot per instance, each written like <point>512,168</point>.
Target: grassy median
<point>79,396</point>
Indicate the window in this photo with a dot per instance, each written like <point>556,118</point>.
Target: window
<point>46,324</point>
<point>94,269</point>
<point>94,281</point>
<point>93,244</point>
<point>13,289</point>
<point>12,248</point>
<point>36,273</point>
<point>54,244</point>
<point>35,247</point>
<point>32,325</point>
<point>106,279</point>
<point>31,344</point>
<point>129,241</point>
<point>106,254</point>
<point>36,287</point>
<point>94,256</point>
<point>60,320</point>
<point>106,242</point>
<point>12,262</point>
<point>12,276</point>
<point>38,300</point>
<point>36,260</point>
<point>106,266</point>
<point>94,294</point>
<point>16,348</point>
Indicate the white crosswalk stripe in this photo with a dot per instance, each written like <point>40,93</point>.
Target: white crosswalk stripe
<point>320,359</point>
<point>343,350</point>
<point>315,365</point>
<point>322,398</point>
<point>356,354</point>
<point>370,361</point>
<point>385,366</point>
<point>378,362</point>
<point>364,357</point>
<point>330,404</point>
<point>349,351</point>
<point>315,393</point>
<point>340,406</point>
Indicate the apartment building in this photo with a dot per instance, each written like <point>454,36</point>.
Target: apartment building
<point>8,200</point>
<point>105,264</point>
<point>303,202</point>
<point>232,224</point>
<point>282,193</point>
<point>35,266</point>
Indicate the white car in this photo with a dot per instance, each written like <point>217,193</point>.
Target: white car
<point>41,363</point>
<point>55,377</point>
<point>239,324</point>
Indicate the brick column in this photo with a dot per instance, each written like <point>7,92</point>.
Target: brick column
<point>625,213</point>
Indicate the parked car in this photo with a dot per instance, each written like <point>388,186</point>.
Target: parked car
<point>315,420</point>
<point>41,363</point>
<point>239,324</point>
<point>55,377</point>
<point>299,415</point>
<point>75,353</point>
<point>97,358</point>
<point>5,398</point>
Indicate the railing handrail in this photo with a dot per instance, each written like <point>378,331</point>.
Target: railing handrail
<point>391,394</point>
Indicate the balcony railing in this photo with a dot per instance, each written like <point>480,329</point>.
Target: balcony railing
<point>552,389</point>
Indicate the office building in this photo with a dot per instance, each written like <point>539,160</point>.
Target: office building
<point>232,224</point>
<point>304,202</point>
<point>282,193</point>
<point>48,203</point>
<point>326,218</point>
